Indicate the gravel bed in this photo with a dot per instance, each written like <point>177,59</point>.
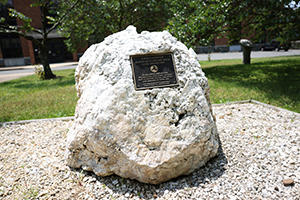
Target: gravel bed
<point>260,149</point>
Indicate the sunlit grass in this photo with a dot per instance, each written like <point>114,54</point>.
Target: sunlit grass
<point>274,81</point>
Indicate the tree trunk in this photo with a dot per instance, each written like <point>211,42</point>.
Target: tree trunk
<point>246,55</point>
<point>43,54</point>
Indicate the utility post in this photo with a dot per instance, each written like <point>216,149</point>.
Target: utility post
<point>247,46</point>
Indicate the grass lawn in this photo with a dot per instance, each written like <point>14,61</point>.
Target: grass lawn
<point>31,98</point>
<point>270,80</point>
<point>274,81</point>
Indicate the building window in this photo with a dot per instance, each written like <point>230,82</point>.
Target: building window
<point>57,51</point>
<point>11,46</point>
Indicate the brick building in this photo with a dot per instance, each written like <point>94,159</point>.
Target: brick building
<point>16,50</point>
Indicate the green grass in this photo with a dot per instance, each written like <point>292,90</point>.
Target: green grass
<point>31,98</point>
<point>275,81</point>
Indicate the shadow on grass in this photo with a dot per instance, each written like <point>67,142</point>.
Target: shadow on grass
<point>276,79</point>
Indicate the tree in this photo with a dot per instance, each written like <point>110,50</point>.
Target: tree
<point>25,30</point>
<point>197,22</point>
<point>269,19</point>
<point>97,19</point>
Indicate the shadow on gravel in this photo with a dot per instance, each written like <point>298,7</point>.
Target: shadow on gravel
<point>213,169</point>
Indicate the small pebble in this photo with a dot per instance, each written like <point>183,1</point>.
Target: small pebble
<point>287,182</point>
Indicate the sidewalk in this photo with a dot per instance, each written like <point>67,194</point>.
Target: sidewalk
<point>53,65</point>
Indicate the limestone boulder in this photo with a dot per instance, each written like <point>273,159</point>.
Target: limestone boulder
<point>149,135</point>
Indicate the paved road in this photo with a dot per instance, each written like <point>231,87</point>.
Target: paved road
<point>10,73</point>
<point>254,54</point>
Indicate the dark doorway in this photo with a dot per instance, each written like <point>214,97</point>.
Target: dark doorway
<point>11,46</point>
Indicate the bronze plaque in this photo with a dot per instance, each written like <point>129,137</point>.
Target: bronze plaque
<point>153,70</point>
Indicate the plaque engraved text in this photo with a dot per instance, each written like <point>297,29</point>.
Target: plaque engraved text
<point>153,70</point>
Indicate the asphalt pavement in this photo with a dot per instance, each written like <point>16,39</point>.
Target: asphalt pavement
<point>10,73</point>
<point>254,54</point>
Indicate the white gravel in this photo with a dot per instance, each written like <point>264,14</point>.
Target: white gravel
<point>260,148</point>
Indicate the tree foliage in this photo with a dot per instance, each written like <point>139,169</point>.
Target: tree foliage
<point>268,19</point>
<point>97,19</point>
<point>197,22</point>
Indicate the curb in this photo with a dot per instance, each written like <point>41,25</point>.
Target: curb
<point>10,68</point>
<point>274,107</point>
<point>260,103</point>
<point>230,103</point>
<point>234,102</point>
<point>36,120</point>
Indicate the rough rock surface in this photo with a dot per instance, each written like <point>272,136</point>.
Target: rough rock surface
<point>150,135</point>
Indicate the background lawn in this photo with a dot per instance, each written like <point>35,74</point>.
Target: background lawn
<point>275,81</point>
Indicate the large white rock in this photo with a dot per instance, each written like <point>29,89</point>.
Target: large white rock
<point>150,135</point>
